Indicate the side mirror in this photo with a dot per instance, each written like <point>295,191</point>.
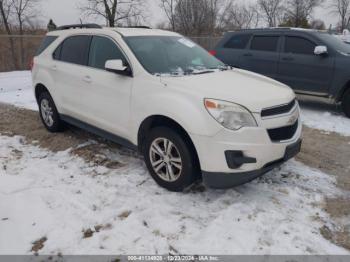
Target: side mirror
<point>118,67</point>
<point>321,50</point>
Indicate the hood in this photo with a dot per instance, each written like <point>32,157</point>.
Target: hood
<point>250,90</point>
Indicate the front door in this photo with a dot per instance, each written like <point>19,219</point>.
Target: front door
<point>301,69</point>
<point>106,94</point>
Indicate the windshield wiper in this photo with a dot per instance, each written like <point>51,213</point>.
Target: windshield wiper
<point>189,71</point>
<point>223,68</point>
<point>207,71</point>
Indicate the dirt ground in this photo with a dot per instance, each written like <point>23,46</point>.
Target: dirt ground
<point>329,152</point>
<point>15,121</point>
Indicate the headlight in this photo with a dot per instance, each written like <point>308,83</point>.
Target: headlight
<point>229,115</point>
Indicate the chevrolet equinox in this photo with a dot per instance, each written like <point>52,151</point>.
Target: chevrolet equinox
<point>191,116</point>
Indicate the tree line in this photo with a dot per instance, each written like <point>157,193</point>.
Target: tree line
<point>189,17</point>
<point>210,16</point>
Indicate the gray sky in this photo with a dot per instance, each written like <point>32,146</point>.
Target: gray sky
<point>66,12</point>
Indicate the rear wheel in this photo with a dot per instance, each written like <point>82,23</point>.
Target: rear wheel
<point>49,114</point>
<point>346,103</point>
<point>169,159</point>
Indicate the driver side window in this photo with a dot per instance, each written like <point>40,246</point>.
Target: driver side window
<point>299,45</point>
<point>103,49</point>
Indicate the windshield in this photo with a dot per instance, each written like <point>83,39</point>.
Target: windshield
<point>335,43</point>
<point>172,55</point>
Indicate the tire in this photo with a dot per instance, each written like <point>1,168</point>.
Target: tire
<point>178,168</point>
<point>49,114</point>
<point>346,103</point>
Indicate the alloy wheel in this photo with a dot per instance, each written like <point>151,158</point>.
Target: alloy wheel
<point>165,159</point>
<point>46,112</point>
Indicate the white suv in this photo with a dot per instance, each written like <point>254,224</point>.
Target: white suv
<point>190,115</point>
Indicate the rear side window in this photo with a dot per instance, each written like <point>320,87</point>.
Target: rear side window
<point>237,42</point>
<point>103,49</point>
<point>48,40</point>
<point>74,49</point>
<point>299,45</point>
<point>265,43</point>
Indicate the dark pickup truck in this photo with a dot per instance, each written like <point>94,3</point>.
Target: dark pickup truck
<point>311,62</point>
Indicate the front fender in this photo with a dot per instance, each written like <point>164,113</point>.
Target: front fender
<point>341,79</point>
<point>184,108</point>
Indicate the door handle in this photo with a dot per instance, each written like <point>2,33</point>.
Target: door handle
<point>288,59</point>
<point>247,54</point>
<point>87,79</point>
<point>54,67</point>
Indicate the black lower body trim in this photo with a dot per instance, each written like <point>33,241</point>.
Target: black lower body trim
<point>228,180</point>
<point>97,131</point>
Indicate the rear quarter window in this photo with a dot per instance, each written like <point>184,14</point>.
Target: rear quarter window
<point>237,42</point>
<point>47,41</point>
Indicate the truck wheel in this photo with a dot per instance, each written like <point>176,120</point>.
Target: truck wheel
<point>169,159</point>
<point>346,103</point>
<point>49,114</point>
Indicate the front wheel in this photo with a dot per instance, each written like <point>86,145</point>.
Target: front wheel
<point>170,159</point>
<point>346,103</point>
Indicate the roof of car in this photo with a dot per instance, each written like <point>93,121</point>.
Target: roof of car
<point>142,31</point>
<point>124,31</point>
<point>276,29</point>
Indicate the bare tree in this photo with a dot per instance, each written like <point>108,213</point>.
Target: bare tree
<point>169,9</point>
<point>24,11</point>
<point>342,9</point>
<point>5,10</point>
<point>298,12</point>
<point>241,16</point>
<point>193,17</point>
<point>115,11</point>
<point>16,16</point>
<point>272,11</point>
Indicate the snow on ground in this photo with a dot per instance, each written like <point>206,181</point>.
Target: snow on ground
<point>327,121</point>
<point>57,196</point>
<point>16,89</point>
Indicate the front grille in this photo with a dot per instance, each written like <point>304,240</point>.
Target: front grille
<point>278,110</point>
<point>283,133</point>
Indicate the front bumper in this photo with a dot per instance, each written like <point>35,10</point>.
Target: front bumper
<point>252,151</point>
<point>228,180</point>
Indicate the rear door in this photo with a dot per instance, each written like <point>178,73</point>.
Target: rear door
<point>69,69</point>
<point>230,50</point>
<point>301,69</point>
<point>262,56</point>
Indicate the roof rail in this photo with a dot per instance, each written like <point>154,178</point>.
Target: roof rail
<point>137,26</point>
<point>81,26</point>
